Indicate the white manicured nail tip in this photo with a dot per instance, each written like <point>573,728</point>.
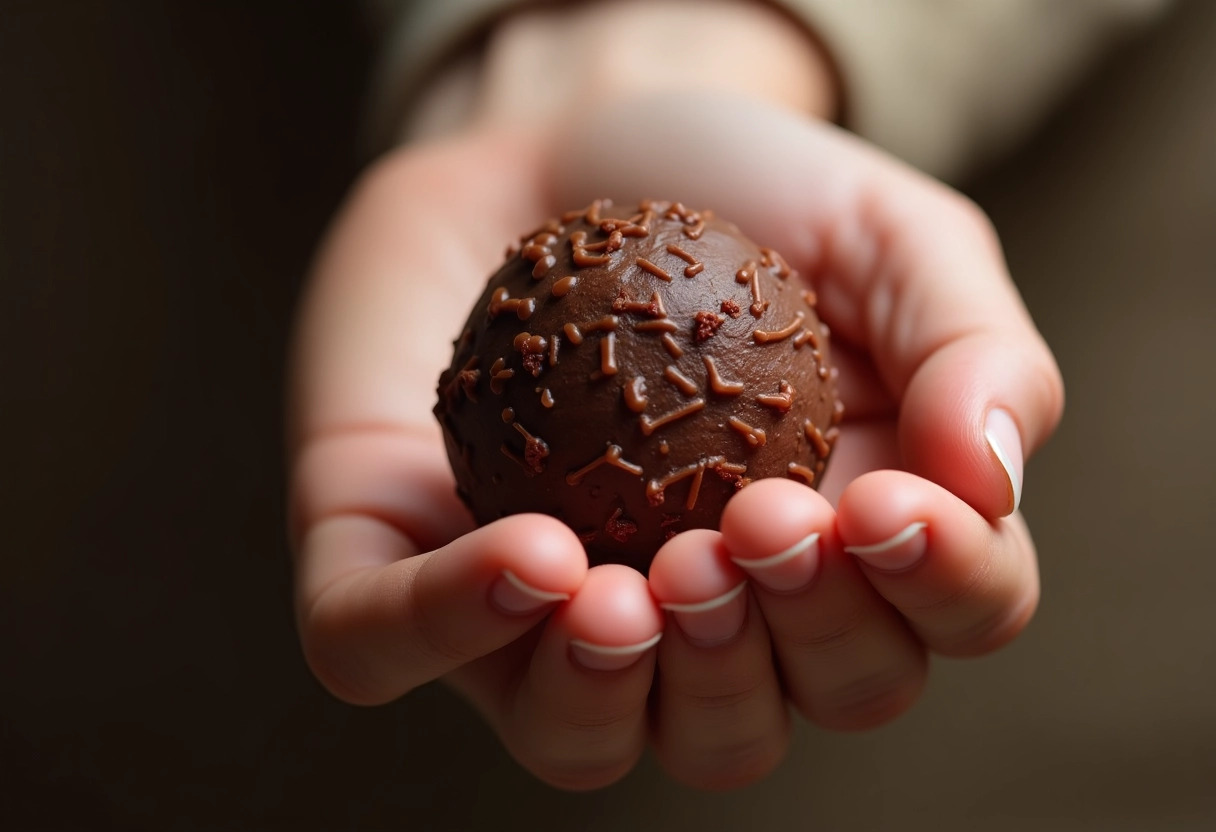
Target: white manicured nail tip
<point>1001,433</point>
<point>1014,482</point>
<point>782,556</point>
<point>888,544</point>
<point>622,650</point>
<point>711,604</point>
<point>538,594</point>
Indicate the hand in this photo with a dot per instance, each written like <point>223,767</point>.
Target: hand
<point>947,387</point>
<point>395,589</point>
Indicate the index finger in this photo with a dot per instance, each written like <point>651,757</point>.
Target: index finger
<point>387,295</point>
<point>372,494</point>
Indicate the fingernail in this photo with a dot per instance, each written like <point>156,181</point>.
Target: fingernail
<point>514,597</point>
<point>1006,442</point>
<point>601,657</point>
<point>787,571</point>
<point>895,553</point>
<point>712,622</point>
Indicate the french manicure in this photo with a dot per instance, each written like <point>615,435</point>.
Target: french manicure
<point>897,552</point>
<point>787,571</point>
<point>712,622</point>
<point>603,657</point>
<point>1006,442</point>
<point>514,597</point>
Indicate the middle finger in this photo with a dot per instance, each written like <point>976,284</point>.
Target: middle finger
<point>720,717</point>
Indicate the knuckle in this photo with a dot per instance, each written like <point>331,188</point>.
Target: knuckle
<point>977,588</point>
<point>731,765</point>
<point>981,613</point>
<point>726,696</point>
<point>579,749</point>
<point>590,725</point>
<point>830,637</point>
<point>424,631</point>
<point>325,667</point>
<point>995,627</point>
<point>867,701</point>
<point>341,682</point>
<point>332,661</point>
<point>968,215</point>
<point>719,701</point>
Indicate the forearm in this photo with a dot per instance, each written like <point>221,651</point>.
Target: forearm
<point>550,64</point>
<point>942,85</point>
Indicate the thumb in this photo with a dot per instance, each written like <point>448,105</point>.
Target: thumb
<point>978,388</point>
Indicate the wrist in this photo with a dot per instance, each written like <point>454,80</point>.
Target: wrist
<point>547,65</point>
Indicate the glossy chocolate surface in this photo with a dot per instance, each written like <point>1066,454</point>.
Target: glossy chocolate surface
<point>627,370</point>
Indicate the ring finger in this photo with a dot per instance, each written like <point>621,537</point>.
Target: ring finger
<point>848,659</point>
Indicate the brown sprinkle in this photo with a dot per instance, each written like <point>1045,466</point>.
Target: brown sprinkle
<point>649,426</point>
<point>769,336</point>
<point>782,400</point>
<point>754,436</point>
<point>669,344</point>
<point>562,286</point>
<point>801,471</point>
<point>682,382</point>
<point>635,394</point>
<point>657,271</point>
<point>718,384</point>
<point>612,456</point>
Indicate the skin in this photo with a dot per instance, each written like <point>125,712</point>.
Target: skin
<point>395,587</point>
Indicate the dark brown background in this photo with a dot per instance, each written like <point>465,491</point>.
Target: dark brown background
<point>165,169</point>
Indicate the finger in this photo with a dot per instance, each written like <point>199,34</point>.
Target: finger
<point>377,619</point>
<point>848,660</point>
<point>577,717</point>
<point>967,586</point>
<point>720,715</point>
<point>400,475</point>
<point>371,484</point>
<point>903,267</point>
<point>974,410</point>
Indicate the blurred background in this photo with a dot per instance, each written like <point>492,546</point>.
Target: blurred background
<point>165,171</point>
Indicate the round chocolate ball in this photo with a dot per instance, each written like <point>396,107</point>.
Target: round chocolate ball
<point>628,370</point>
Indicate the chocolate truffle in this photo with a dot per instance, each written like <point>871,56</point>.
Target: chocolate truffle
<point>628,370</point>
